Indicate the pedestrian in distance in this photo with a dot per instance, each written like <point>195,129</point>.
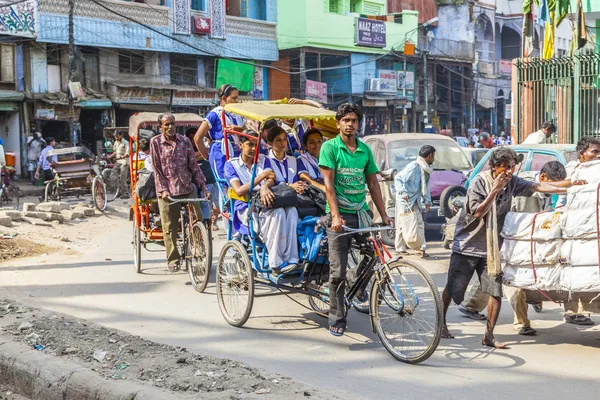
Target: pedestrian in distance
<point>477,240</point>
<point>176,171</point>
<point>542,136</point>
<point>347,165</point>
<point>43,163</point>
<point>120,156</point>
<point>35,144</point>
<point>413,198</point>
<point>486,141</point>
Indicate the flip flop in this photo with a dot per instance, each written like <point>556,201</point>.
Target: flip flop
<point>336,331</point>
<point>472,314</point>
<point>578,319</point>
<point>529,331</point>
<point>494,344</point>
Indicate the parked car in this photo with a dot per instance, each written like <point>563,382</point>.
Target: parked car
<point>475,155</point>
<point>462,141</point>
<point>394,151</point>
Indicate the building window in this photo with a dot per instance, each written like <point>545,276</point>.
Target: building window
<point>184,70</point>
<point>385,64</point>
<point>237,8</point>
<point>53,68</point>
<point>91,69</point>
<point>336,6</point>
<point>372,8</point>
<point>131,63</point>
<point>7,64</point>
<point>356,6</point>
<point>199,5</point>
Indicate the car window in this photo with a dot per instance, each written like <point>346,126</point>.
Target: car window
<point>378,150</point>
<point>448,154</point>
<point>477,156</point>
<point>539,159</point>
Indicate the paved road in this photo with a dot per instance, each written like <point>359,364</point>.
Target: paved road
<point>102,286</point>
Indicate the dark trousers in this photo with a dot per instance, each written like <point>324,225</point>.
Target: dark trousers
<point>48,175</point>
<point>339,249</point>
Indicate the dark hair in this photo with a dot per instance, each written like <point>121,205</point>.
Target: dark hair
<point>585,142</point>
<point>554,170</point>
<point>503,135</point>
<point>50,139</point>
<point>312,131</point>
<point>276,131</point>
<point>144,144</point>
<point>164,115</point>
<point>225,90</point>
<point>118,133</point>
<point>471,143</point>
<point>270,124</point>
<point>426,151</point>
<point>549,125</point>
<point>503,155</point>
<point>249,133</point>
<point>348,108</point>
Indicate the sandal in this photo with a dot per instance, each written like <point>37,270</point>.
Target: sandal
<point>336,331</point>
<point>494,344</point>
<point>173,268</point>
<point>423,254</point>
<point>472,314</point>
<point>528,331</point>
<point>578,319</point>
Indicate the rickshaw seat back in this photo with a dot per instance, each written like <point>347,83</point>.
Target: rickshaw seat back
<point>233,195</point>
<point>73,166</point>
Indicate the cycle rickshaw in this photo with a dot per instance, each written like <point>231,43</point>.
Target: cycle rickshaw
<point>195,241</point>
<point>404,304</point>
<point>75,174</point>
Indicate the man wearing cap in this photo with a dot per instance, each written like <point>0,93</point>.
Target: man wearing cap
<point>44,164</point>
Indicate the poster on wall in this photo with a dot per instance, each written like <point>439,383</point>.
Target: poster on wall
<point>316,91</point>
<point>258,85</point>
<point>405,80</point>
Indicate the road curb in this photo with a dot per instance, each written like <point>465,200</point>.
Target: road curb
<point>41,376</point>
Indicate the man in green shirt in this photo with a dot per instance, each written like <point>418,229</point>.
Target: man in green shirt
<point>347,165</point>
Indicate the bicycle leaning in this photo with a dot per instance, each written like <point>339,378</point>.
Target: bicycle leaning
<point>9,192</point>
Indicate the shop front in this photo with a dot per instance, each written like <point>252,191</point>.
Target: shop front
<point>129,100</point>
<point>51,117</point>
<point>193,100</point>
<point>10,126</point>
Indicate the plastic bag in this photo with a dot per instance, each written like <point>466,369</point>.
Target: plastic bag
<point>408,222</point>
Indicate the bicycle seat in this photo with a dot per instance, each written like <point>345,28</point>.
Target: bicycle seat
<point>322,221</point>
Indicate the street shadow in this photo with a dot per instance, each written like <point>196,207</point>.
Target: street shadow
<point>43,267</point>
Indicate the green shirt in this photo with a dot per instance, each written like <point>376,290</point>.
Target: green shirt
<point>350,170</point>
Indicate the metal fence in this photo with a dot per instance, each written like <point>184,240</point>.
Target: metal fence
<point>564,90</point>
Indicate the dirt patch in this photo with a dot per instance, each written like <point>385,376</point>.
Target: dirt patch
<point>117,355</point>
<point>17,247</point>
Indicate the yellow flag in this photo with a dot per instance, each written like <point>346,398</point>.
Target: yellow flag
<point>549,38</point>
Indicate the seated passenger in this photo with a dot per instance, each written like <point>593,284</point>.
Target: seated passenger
<point>277,226</point>
<point>284,166</point>
<point>308,162</point>
<point>144,154</point>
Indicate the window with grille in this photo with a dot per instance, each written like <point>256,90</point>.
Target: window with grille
<point>336,6</point>
<point>91,69</point>
<point>372,8</point>
<point>184,70</point>
<point>199,5</point>
<point>7,63</point>
<point>131,63</point>
<point>355,6</point>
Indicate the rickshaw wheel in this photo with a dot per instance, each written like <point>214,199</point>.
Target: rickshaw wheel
<point>51,193</point>
<point>319,304</point>
<point>200,256</point>
<point>99,193</point>
<point>137,248</point>
<point>235,284</point>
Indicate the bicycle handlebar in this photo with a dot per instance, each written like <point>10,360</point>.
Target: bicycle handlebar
<point>172,200</point>
<point>367,230</point>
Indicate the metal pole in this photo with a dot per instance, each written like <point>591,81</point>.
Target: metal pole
<point>425,89</point>
<point>71,67</point>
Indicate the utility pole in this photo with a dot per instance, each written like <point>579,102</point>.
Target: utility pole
<point>72,66</point>
<point>425,89</point>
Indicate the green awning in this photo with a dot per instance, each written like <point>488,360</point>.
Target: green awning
<point>95,104</point>
<point>9,106</point>
<point>11,95</point>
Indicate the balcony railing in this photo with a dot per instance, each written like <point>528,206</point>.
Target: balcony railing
<point>447,48</point>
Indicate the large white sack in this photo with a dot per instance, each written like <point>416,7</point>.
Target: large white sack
<point>518,252</point>
<point>548,277</point>
<point>579,223</point>
<point>579,252</point>
<point>517,226</point>
<point>580,278</point>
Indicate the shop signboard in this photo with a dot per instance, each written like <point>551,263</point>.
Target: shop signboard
<point>194,98</point>
<point>141,95</point>
<point>505,67</point>
<point>405,79</point>
<point>316,91</point>
<point>370,33</point>
<point>56,112</point>
<point>201,25</point>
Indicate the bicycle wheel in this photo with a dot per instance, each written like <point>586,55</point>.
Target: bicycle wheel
<point>13,196</point>
<point>235,284</point>
<point>112,184</point>
<point>137,248</point>
<point>406,312</point>
<point>199,256</point>
<point>99,193</point>
<point>319,303</point>
<point>354,260</point>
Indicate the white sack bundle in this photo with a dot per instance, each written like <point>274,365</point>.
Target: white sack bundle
<point>548,276</point>
<point>517,226</point>
<point>518,252</point>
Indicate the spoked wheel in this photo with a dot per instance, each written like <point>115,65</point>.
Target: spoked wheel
<point>235,284</point>
<point>51,193</point>
<point>388,237</point>
<point>406,312</point>
<point>319,303</point>
<point>99,193</point>
<point>354,260</point>
<point>112,184</point>
<point>199,256</point>
<point>137,248</point>
<point>11,196</point>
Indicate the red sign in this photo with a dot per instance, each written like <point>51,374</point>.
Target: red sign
<point>505,67</point>
<point>316,91</point>
<point>201,25</point>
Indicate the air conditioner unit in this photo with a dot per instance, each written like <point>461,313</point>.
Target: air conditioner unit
<point>372,85</point>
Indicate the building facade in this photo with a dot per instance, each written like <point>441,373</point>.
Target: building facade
<point>152,55</point>
<point>347,50</point>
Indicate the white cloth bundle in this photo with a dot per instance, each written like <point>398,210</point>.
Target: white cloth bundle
<point>518,252</point>
<point>579,252</point>
<point>517,226</point>
<point>548,276</point>
<point>587,171</point>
